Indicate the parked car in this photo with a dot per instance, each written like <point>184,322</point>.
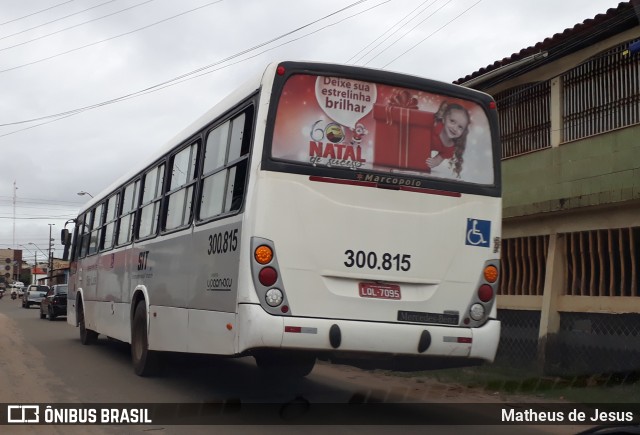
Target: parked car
<point>54,304</point>
<point>34,295</point>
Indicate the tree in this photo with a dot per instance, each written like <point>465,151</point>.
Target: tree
<point>25,276</point>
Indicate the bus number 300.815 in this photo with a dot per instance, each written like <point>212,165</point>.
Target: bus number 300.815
<point>220,243</point>
<point>362,259</point>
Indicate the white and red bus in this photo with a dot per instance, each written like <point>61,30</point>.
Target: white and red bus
<point>321,211</point>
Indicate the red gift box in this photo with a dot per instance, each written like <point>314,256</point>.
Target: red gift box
<point>403,134</point>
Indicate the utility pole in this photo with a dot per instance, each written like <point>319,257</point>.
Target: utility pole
<point>50,256</point>
<point>15,189</point>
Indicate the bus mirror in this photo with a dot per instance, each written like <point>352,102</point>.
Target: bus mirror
<point>65,237</point>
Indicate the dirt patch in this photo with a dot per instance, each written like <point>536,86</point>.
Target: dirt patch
<point>24,378</point>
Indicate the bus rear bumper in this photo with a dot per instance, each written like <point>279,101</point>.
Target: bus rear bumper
<point>351,338</point>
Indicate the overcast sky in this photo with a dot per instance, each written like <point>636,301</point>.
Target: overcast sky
<point>57,56</point>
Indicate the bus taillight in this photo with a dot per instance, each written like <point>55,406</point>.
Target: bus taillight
<point>477,312</point>
<point>491,273</point>
<point>274,297</point>
<point>268,277</point>
<point>485,293</point>
<point>263,254</point>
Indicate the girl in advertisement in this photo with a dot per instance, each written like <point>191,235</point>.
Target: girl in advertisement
<point>449,137</point>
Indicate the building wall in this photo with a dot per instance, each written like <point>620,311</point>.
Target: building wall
<point>10,264</point>
<point>569,297</point>
<point>600,170</point>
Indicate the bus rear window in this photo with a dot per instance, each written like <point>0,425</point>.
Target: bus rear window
<point>331,122</point>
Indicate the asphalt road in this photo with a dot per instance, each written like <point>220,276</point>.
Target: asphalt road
<point>42,361</point>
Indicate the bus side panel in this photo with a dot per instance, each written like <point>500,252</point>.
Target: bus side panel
<point>212,332</point>
<point>111,320</point>
<point>107,295</point>
<point>216,260</point>
<point>72,293</point>
<point>164,266</point>
<point>167,328</point>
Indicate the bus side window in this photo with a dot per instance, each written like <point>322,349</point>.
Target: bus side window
<point>224,180</point>
<point>129,203</point>
<point>77,247</point>
<point>213,171</point>
<point>181,187</point>
<point>236,187</point>
<point>94,237</point>
<point>86,231</point>
<point>110,222</point>
<point>151,195</point>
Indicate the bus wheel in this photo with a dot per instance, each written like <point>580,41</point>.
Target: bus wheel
<point>284,365</point>
<point>87,336</point>
<point>145,361</point>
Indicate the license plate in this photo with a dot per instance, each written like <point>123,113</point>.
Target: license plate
<point>379,291</point>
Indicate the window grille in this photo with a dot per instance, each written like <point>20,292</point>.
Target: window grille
<point>602,94</point>
<point>524,118</point>
<point>603,262</point>
<point>523,265</point>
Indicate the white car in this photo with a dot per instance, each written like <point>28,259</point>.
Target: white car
<point>34,295</point>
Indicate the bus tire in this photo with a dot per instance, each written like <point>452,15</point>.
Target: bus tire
<point>87,336</point>
<point>145,362</point>
<point>287,366</point>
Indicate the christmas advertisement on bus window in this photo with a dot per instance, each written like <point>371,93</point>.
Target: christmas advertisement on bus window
<point>341,123</point>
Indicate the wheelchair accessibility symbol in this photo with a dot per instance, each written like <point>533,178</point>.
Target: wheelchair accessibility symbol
<point>478,232</point>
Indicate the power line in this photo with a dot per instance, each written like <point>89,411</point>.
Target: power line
<point>53,21</point>
<point>392,33</point>
<point>39,217</point>
<point>410,30</point>
<point>43,200</point>
<point>181,78</point>
<point>74,26</point>
<point>433,33</point>
<point>35,13</point>
<point>111,38</point>
<point>59,207</point>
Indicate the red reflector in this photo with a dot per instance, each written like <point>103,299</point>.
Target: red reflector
<point>492,105</point>
<point>485,293</point>
<point>297,329</point>
<point>284,309</point>
<point>268,276</point>
<point>280,70</point>
<point>464,339</point>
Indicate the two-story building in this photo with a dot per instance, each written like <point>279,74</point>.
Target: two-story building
<point>569,110</point>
